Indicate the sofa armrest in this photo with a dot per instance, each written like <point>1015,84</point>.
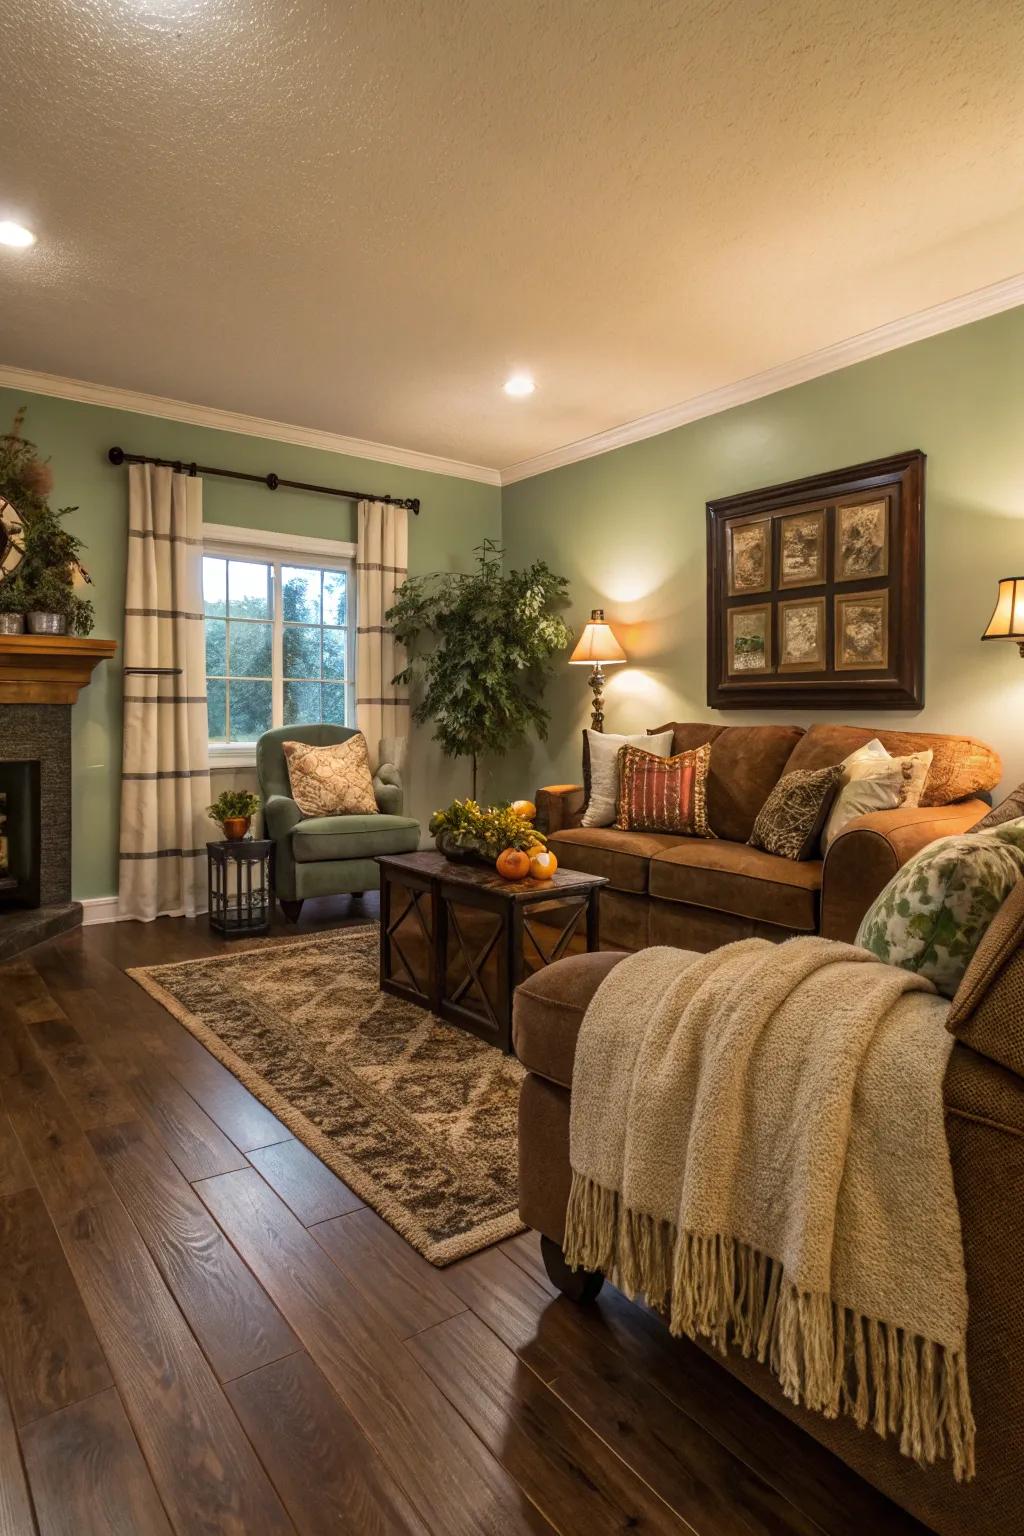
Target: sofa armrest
<point>868,852</point>
<point>387,789</point>
<point>280,815</point>
<point>559,806</point>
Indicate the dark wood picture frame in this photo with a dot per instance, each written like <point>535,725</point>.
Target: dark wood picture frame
<point>899,683</point>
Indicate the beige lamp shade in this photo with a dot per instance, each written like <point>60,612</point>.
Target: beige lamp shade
<point>598,646</point>
<point>1007,621</point>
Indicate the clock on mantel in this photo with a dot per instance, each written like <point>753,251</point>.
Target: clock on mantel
<point>48,669</point>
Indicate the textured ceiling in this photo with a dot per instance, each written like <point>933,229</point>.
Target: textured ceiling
<point>361,217</point>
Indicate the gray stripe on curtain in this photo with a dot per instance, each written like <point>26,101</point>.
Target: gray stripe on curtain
<point>165,785</point>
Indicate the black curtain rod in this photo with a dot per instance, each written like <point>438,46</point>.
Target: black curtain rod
<point>118,456</point>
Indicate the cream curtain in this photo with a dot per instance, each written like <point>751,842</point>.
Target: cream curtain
<point>165,781</point>
<point>382,558</point>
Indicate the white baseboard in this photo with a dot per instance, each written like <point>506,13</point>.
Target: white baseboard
<point>99,909</point>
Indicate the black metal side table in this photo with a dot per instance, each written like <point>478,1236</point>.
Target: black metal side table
<point>240,886</point>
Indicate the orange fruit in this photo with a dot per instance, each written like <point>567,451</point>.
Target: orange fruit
<point>543,864</point>
<point>512,864</point>
<point>532,852</point>
<point>524,808</point>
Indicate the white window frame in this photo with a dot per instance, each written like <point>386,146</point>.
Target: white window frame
<point>277,549</point>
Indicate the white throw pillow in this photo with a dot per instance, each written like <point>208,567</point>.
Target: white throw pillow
<point>604,770</point>
<point>874,781</point>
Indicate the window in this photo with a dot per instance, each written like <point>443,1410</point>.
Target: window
<point>278,635</point>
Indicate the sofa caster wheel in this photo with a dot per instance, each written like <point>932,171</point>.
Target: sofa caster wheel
<point>580,1285</point>
<point>291,909</point>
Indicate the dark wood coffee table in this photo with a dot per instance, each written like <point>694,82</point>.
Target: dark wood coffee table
<point>458,939</point>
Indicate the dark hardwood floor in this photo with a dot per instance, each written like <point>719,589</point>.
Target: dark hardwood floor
<point>203,1331</point>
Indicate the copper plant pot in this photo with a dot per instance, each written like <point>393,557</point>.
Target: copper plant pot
<point>235,827</point>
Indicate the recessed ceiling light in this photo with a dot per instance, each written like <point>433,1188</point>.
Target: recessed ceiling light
<point>518,385</point>
<point>15,234</point>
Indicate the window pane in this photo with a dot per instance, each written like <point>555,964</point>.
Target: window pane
<point>250,649</point>
<point>250,710</point>
<point>301,703</point>
<point>216,709</point>
<point>335,597</point>
<point>301,651</point>
<point>335,641</point>
<point>216,646</point>
<point>300,594</point>
<point>334,703</point>
<point>248,589</point>
<point>215,585</point>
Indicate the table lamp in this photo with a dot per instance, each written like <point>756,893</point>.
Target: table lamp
<point>598,648</point>
<point>1007,621</point>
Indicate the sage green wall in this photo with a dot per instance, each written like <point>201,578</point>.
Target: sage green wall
<point>628,529</point>
<point>457,514</point>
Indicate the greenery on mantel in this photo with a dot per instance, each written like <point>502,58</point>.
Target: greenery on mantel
<point>44,580</point>
<point>480,647</point>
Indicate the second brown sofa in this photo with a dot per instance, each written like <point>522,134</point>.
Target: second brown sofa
<point>697,894</point>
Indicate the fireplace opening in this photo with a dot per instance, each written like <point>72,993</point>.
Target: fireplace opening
<point>20,829</point>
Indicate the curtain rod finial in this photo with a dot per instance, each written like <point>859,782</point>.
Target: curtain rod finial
<point>116,455</point>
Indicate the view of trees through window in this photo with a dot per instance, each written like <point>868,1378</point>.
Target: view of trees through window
<point>264,668</point>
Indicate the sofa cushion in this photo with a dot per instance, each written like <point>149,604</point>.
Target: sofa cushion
<point>747,762</point>
<point>960,767</point>
<point>353,837</point>
<point>622,857</point>
<point>744,881</point>
<point>548,1009</point>
<point>987,1012</point>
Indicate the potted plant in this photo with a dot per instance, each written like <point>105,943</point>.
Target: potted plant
<point>12,607</point>
<point>50,556</point>
<point>480,647</point>
<point>233,811</point>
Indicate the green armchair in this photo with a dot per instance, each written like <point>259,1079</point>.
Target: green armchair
<point>327,855</point>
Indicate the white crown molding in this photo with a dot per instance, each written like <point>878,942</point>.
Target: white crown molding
<point>233,421</point>
<point>814,365</point>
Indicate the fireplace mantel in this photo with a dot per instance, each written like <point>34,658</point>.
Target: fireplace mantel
<point>48,669</point>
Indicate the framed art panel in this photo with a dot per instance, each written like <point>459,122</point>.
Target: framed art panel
<point>803,642</point>
<point>836,562</point>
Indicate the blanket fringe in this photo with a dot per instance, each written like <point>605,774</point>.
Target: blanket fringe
<point>825,1356</point>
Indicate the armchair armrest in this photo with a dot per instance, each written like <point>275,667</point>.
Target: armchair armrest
<point>559,806</point>
<point>868,852</point>
<point>387,789</point>
<point>280,814</point>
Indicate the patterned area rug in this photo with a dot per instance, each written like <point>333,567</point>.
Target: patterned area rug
<point>417,1117</point>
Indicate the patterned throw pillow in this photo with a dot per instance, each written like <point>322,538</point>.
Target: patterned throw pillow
<point>935,911</point>
<point>664,794</point>
<point>790,821</point>
<point>1009,809</point>
<point>331,781</point>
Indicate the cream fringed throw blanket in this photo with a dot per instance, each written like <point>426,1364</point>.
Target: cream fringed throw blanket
<point>757,1145</point>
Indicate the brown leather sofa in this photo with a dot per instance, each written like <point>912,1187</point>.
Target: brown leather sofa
<point>697,894</point>
<point>985,1128</point>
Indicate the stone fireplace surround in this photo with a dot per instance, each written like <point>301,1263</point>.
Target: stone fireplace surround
<point>42,732</point>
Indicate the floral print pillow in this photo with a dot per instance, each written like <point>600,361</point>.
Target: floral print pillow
<point>933,914</point>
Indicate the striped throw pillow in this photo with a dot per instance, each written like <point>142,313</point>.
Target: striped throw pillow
<point>664,794</point>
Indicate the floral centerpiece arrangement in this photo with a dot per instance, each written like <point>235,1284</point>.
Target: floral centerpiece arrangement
<point>502,835</point>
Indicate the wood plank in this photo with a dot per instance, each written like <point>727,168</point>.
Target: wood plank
<point>87,1474</point>
<point>331,1479</point>
<point>511,1304</point>
<point>203,1466</point>
<point>458,1488</point>
<point>524,1250</point>
<point>15,1505</point>
<point>559,1463</point>
<point>25,991</point>
<point>197,1146</point>
<point>305,1185</point>
<point>89,1089</point>
<point>62,1161</point>
<point>229,1312</point>
<point>15,1173</point>
<point>49,1354</point>
<point>384,1267</point>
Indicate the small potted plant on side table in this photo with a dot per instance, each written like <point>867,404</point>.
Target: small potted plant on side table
<point>233,811</point>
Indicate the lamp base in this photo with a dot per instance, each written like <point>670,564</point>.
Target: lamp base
<point>596,681</point>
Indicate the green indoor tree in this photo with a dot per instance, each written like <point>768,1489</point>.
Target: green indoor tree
<point>480,647</point>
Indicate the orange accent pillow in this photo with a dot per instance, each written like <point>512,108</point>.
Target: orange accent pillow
<point>664,794</point>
